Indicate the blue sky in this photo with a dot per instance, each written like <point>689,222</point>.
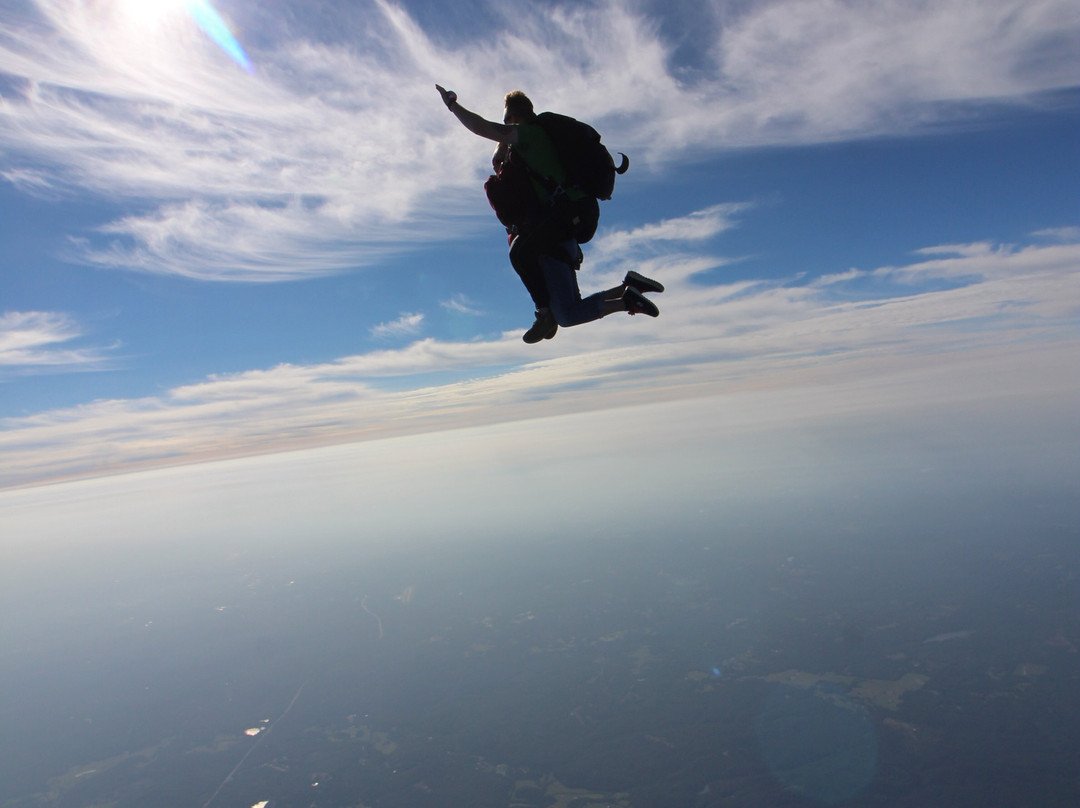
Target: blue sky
<point>202,261</point>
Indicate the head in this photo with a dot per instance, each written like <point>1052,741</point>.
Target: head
<point>519,109</point>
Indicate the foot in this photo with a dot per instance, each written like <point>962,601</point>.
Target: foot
<point>544,327</point>
<point>637,303</point>
<point>642,284</point>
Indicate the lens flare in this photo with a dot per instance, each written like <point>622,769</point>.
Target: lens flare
<point>214,27</point>
<point>159,15</point>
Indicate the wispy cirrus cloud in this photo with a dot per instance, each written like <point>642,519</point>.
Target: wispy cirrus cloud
<point>1019,304</point>
<point>1058,234</point>
<point>234,241</point>
<point>695,227</point>
<point>404,326</point>
<point>39,342</point>
<point>335,150</point>
<point>988,260</point>
<point>461,304</point>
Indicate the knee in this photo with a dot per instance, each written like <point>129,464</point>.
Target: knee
<point>560,312</point>
<point>517,258</point>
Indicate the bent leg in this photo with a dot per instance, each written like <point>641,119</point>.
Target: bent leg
<point>566,302</point>
<point>569,308</point>
<point>524,259</point>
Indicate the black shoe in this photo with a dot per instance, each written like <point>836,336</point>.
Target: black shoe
<point>637,303</point>
<point>637,281</point>
<point>544,327</point>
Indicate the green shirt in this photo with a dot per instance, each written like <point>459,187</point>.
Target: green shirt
<point>536,149</point>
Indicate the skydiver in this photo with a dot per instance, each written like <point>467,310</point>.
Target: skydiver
<point>542,251</point>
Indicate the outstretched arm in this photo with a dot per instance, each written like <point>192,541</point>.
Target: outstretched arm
<point>499,132</point>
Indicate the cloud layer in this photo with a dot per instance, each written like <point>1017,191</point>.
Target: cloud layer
<point>997,319</point>
<point>335,151</point>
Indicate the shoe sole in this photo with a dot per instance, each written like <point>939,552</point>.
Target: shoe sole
<point>549,335</point>
<point>641,304</point>
<point>641,283</point>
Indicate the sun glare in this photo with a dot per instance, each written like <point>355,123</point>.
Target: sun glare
<point>159,15</point>
<point>151,12</point>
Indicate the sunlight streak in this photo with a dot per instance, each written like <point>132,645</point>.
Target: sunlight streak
<point>152,13</point>
<point>214,27</point>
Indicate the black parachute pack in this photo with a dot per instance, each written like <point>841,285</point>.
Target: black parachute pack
<point>586,161</point>
<point>589,169</point>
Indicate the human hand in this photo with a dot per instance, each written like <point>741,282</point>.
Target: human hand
<point>448,96</point>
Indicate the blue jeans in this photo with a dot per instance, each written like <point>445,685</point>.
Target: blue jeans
<point>566,302</point>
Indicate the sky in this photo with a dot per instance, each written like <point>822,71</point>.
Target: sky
<point>282,243</point>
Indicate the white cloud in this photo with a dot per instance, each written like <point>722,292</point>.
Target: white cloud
<point>405,325</point>
<point>838,277</point>
<point>461,304</point>
<point>979,248</point>
<point>30,341</point>
<point>315,164</point>
<point>1016,303</point>
<point>1066,235</point>
<point>336,149</point>
<point>986,260</point>
<point>35,183</point>
<point>235,242</point>
<point>698,226</point>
